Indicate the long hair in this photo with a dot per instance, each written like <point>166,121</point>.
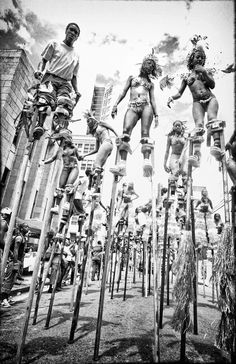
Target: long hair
<point>172,132</point>
<point>191,55</point>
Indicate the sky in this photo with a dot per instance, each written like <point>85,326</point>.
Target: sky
<point>115,37</point>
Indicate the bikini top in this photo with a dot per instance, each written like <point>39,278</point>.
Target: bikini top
<point>190,79</point>
<point>139,81</point>
<point>177,139</point>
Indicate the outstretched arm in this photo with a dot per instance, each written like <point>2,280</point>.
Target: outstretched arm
<point>75,87</point>
<point>179,93</point>
<point>107,126</point>
<point>167,155</point>
<point>197,204</point>
<point>41,68</point>
<point>52,159</point>
<point>121,96</point>
<point>153,103</point>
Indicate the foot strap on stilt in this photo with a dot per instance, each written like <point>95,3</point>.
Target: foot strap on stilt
<point>213,126</point>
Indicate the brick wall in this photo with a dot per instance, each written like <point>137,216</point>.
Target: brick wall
<point>16,78</point>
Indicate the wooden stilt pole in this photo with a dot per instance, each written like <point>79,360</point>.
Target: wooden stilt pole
<point>121,263</point>
<point>15,206</point>
<point>80,286</point>
<point>134,262</point>
<point>225,181</point>
<point>111,264</point>
<point>106,260</point>
<point>213,280</point>
<point>149,271</point>
<point>145,269</point>
<point>164,258</point>
<point>233,217</point>
<point>88,267</point>
<point>75,273</point>
<point>48,267</point>
<point>48,318</point>
<point>41,282</point>
<point>188,228</point>
<point>154,248</point>
<point>37,261</point>
<point>127,267</point>
<point>168,273</point>
<point>195,277</point>
<point>114,269</point>
<point>143,272</point>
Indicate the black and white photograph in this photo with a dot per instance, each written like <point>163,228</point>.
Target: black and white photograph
<point>118,181</point>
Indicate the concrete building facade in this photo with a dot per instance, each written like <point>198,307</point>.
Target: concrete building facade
<point>16,78</point>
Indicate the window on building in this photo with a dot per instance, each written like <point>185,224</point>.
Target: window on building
<point>88,147</point>
<point>79,146</point>
<point>86,164</point>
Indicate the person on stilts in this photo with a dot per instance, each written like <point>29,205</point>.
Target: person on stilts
<point>142,105</point>
<point>200,82</point>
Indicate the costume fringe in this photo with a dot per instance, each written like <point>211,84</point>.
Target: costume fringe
<point>184,267</point>
<point>224,273</point>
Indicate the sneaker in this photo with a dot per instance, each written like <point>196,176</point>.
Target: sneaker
<point>147,168</point>
<point>55,210</point>
<point>5,303</point>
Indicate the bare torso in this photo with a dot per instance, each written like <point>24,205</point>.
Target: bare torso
<point>197,86</point>
<point>102,134</point>
<point>139,89</point>
<point>69,157</point>
<point>177,143</point>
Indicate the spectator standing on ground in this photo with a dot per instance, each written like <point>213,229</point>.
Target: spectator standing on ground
<point>15,261</point>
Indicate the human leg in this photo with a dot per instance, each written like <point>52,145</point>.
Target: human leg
<point>215,128</point>
<point>147,143</point>
<point>198,112</point>
<point>64,103</point>
<point>103,153</point>
<point>8,282</point>
<point>130,120</point>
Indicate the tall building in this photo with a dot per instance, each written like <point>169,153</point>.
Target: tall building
<point>101,102</point>
<point>16,78</point>
<point>85,144</point>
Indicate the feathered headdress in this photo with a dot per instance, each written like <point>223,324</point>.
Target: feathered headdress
<point>89,115</point>
<point>153,57</point>
<point>199,43</point>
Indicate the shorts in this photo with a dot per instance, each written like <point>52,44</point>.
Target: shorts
<point>61,87</point>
